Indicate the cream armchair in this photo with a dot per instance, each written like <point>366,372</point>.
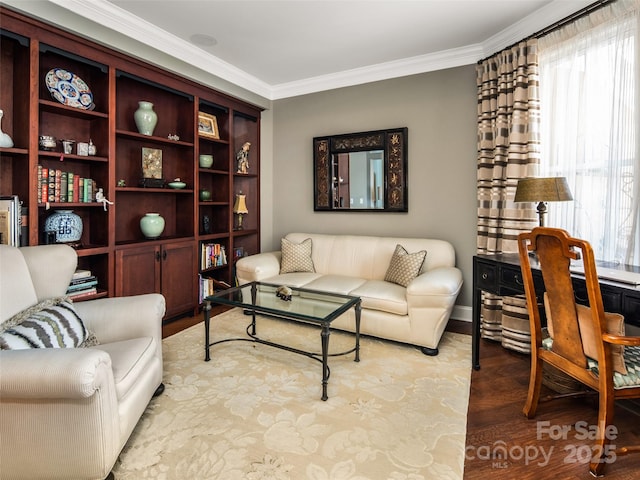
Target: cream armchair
<point>68,412</point>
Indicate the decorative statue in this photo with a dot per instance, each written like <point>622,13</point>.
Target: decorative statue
<point>100,198</point>
<point>243,158</point>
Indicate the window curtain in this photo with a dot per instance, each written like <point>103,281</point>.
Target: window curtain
<point>590,93</point>
<point>508,149</point>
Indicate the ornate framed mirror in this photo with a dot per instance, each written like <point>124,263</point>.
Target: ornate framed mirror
<point>361,172</point>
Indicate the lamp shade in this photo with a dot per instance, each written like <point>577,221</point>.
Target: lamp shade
<point>546,189</point>
<point>240,205</point>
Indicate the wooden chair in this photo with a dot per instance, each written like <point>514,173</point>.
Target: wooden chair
<point>586,343</point>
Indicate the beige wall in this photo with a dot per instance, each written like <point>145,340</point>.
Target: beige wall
<point>439,109</point>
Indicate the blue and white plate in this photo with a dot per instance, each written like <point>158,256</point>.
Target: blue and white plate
<point>69,89</point>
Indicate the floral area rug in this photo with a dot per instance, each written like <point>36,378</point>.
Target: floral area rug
<point>254,412</point>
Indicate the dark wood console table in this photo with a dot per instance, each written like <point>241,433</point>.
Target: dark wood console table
<point>500,274</point>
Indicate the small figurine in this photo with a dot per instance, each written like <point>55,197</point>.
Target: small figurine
<point>284,293</point>
<point>100,198</point>
<point>243,158</point>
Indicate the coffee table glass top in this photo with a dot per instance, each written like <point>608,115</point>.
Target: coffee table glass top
<point>309,305</point>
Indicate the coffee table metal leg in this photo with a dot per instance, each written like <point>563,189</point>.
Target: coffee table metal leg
<point>325,353</point>
<point>358,308</point>
<point>207,309</point>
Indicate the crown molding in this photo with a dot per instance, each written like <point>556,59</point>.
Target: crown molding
<point>382,71</point>
<point>529,25</point>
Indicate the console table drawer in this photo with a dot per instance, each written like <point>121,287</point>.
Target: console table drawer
<point>486,277</point>
<point>512,278</point>
<point>631,309</point>
<point>611,298</point>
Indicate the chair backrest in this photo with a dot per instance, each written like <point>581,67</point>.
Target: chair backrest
<point>31,274</point>
<point>554,250</point>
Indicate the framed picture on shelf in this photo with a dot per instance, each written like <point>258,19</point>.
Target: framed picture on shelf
<point>151,163</point>
<point>208,126</point>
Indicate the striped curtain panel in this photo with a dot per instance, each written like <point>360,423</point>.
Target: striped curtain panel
<point>508,149</point>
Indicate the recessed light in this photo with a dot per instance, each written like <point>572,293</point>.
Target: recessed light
<point>203,40</point>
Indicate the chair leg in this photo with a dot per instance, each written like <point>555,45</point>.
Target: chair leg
<point>603,451</point>
<point>535,384</point>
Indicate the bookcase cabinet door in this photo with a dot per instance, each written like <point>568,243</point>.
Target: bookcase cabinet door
<point>138,270</point>
<point>167,268</point>
<point>178,277</point>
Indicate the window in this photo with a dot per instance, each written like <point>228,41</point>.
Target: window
<point>590,123</point>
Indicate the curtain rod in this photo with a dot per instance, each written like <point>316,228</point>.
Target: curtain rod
<point>559,24</point>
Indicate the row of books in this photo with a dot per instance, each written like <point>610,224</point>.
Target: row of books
<point>10,220</point>
<point>83,284</point>
<point>208,286</point>
<point>212,255</point>
<point>55,185</point>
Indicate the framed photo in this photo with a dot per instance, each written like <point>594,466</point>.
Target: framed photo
<point>151,163</point>
<point>208,126</point>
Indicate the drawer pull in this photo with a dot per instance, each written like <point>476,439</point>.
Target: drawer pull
<point>485,276</point>
<point>518,280</point>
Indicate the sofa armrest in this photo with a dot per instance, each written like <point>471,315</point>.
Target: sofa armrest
<point>121,318</point>
<point>258,267</point>
<point>55,373</point>
<point>444,282</point>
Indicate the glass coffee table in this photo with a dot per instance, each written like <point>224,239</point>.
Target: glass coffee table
<point>308,306</point>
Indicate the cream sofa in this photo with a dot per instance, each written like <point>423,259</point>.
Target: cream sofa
<point>67,412</point>
<point>356,265</point>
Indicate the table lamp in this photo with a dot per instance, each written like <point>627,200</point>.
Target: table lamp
<point>542,190</point>
<point>240,208</point>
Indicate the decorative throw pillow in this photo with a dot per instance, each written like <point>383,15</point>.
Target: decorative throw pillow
<point>615,326</point>
<point>52,323</point>
<point>296,257</point>
<point>404,266</point>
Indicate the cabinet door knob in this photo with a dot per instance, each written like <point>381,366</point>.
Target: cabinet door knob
<point>157,256</point>
<point>164,254</point>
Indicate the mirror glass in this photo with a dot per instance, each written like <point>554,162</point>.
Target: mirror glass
<point>364,171</point>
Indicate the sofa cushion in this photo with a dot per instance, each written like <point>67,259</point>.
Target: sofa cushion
<point>295,279</point>
<point>404,266</point>
<point>129,358</point>
<point>52,323</point>
<point>614,325</point>
<point>296,257</point>
<point>336,284</point>
<point>383,296</point>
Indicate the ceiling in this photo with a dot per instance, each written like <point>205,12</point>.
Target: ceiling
<point>283,48</point>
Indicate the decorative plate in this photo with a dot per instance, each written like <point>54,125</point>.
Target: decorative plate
<point>69,89</point>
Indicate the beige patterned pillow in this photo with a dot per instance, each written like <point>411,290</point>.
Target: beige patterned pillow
<point>404,266</point>
<point>296,257</point>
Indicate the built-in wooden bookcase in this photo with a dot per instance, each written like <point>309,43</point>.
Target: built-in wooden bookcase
<point>112,245</point>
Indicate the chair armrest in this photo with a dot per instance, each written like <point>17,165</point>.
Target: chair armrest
<point>258,267</point>
<point>48,373</point>
<point>621,340</point>
<point>122,318</point>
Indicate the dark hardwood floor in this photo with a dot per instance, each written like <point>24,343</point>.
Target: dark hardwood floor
<point>554,445</point>
<point>502,444</point>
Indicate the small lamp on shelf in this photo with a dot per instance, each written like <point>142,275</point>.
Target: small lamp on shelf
<point>542,190</point>
<point>240,208</point>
